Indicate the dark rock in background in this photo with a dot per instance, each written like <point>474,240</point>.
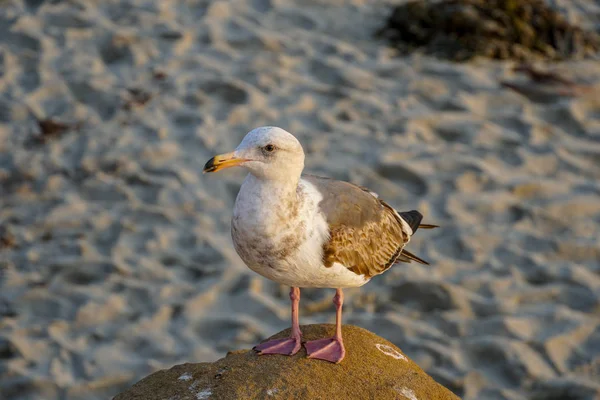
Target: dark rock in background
<point>500,29</point>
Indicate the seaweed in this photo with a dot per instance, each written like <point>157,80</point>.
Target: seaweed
<point>460,30</point>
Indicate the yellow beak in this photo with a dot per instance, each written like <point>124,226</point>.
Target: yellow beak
<point>222,161</point>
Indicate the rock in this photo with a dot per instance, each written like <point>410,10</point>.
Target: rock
<point>373,368</point>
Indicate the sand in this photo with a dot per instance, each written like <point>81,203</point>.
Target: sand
<point>115,250</point>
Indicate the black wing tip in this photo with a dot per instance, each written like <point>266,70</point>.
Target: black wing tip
<point>428,226</point>
<point>413,257</point>
<point>413,219</point>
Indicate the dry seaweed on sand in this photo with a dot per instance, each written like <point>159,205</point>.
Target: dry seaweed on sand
<point>543,86</point>
<point>7,240</point>
<point>50,128</point>
<point>500,29</point>
<point>137,97</point>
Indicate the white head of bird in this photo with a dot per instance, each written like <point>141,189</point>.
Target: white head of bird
<point>268,152</point>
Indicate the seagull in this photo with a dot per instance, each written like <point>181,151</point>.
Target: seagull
<point>306,231</point>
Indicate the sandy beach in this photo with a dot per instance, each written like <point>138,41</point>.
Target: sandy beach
<point>115,252</point>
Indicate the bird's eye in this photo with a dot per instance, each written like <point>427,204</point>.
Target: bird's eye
<point>269,148</point>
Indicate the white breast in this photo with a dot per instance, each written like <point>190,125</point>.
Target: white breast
<point>289,253</point>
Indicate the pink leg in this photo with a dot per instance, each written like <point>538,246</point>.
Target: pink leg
<point>288,346</point>
<point>330,349</point>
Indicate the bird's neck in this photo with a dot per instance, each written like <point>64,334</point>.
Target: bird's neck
<point>276,190</point>
<point>259,196</point>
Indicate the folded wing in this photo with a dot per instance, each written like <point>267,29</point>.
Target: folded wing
<point>367,236</point>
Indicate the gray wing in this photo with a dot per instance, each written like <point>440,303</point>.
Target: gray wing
<point>366,234</point>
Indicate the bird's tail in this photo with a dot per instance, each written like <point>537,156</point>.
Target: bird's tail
<point>413,219</point>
